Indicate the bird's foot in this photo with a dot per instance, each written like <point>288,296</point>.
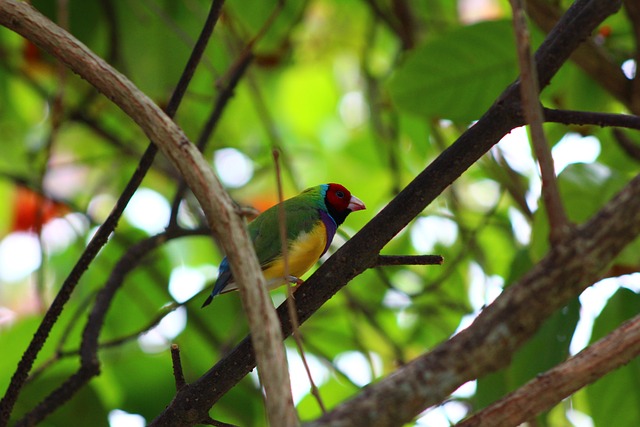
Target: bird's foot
<point>294,280</point>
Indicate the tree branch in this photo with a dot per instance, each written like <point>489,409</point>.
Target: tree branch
<point>356,255</point>
<point>529,92</point>
<point>488,344</point>
<point>546,390</point>
<point>216,203</point>
<point>408,260</point>
<point>17,16</point>
<point>591,58</point>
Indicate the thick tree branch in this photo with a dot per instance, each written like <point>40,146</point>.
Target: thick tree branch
<point>546,390</point>
<point>357,254</point>
<point>488,344</point>
<point>216,203</point>
<point>100,238</point>
<point>590,57</point>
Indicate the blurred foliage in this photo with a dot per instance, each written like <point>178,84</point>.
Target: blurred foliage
<point>355,92</point>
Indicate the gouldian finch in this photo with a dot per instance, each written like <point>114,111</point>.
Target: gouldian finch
<point>311,218</point>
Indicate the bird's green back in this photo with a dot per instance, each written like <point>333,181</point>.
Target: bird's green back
<point>301,216</point>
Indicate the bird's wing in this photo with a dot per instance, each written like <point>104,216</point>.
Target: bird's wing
<point>265,230</point>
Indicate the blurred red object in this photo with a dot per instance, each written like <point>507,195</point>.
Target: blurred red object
<point>31,210</point>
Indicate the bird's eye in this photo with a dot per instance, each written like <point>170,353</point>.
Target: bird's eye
<point>340,194</point>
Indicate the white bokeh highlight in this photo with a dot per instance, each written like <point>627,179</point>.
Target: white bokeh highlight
<point>427,231</point>
<point>300,385</point>
<point>353,109</point>
<point>185,282</point>
<point>574,148</point>
<point>120,418</point>
<point>20,256</point>
<point>148,210</point>
<point>159,338</point>
<point>234,168</point>
<point>358,368</point>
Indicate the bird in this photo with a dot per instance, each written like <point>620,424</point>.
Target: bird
<point>311,218</point>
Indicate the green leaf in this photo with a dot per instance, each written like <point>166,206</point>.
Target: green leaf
<point>615,398</point>
<point>586,187</point>
<point>459,74</point>
<point>548,347</point>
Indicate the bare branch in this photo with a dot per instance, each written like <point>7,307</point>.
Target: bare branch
<point>570,117</point>
<point>408,260</point>
<point>529,92</point>
<point>546,390</point>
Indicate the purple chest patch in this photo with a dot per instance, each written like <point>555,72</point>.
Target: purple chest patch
<point>330,226</point>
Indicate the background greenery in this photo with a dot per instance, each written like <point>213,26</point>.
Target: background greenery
<point>363,93</point>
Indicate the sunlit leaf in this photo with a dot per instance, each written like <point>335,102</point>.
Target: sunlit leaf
<point>459,74</point>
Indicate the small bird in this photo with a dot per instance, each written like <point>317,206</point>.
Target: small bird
<point>311,218</point>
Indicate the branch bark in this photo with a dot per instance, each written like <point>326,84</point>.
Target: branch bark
<point>530,92</point>
<point>576,262</point>
<point>216,203</point>
<point>590,57</point>
<point>546,390</point>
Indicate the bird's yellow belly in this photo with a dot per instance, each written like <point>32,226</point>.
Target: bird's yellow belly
<point>304,252</point>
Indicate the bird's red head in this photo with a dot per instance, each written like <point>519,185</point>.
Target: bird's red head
<point>341,199</point>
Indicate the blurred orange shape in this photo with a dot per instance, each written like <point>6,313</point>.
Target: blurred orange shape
<point>32,210</point>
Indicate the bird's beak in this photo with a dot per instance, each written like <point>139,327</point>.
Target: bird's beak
<point>356,204</point>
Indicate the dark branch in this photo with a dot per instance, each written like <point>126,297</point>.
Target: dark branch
<point>570,117</point>
<point>177,367</point>
<point>575,263</point>
<point>408,260</point>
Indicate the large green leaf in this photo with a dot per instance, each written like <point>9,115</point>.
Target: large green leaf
<point>614,400</point>
<point>459,74</point>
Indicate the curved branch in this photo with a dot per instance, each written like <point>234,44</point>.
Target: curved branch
<point>16,15</point>
<point>216,203</point>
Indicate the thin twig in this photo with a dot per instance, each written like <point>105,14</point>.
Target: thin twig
<point>291,305</point>
<point>232,77</point>
<point>572,117</point>
<point>177,367</point>
<point>408,260</point>
<point>226,92</point>
<point>529,92</point>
